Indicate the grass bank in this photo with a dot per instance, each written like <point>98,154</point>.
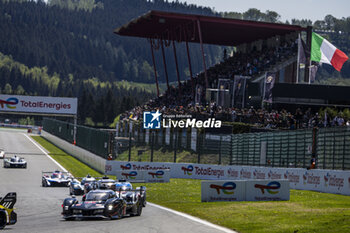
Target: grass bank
<point>306,211</point>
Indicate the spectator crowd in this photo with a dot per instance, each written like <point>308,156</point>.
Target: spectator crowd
<point>181,100</point>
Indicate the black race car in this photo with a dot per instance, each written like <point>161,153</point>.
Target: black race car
<point>87,184</point>
<point>102,204</point>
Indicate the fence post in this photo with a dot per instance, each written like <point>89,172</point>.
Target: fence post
<point>175,144</point>
<point>199,148</point>
<point>129,146</point>
<point>220,150</point>
<point>230,150</point>
<point>152,144</point>
<point>343,166</point>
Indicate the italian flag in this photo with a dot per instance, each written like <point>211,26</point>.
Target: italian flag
<point>324,52</point>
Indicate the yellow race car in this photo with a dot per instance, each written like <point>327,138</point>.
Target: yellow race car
<point>7,215</point>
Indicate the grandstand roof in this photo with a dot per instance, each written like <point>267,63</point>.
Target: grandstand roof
<point>215,30</point>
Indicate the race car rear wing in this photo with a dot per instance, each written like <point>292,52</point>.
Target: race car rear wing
<point>50,173</point>
<point>9,200</point>
<point>54,172</point>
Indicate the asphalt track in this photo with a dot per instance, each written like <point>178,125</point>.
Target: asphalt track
<point>39,209</point>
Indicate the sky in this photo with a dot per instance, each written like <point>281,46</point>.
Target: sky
<point>288,9</point>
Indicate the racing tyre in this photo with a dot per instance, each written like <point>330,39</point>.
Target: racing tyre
<point>3,219</point>
<point>139,210</point>
<point>44,183</point>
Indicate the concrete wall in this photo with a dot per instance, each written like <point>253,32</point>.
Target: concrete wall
<point>84,156</point>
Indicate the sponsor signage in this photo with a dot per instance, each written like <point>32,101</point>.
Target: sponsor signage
<point>329,181</point>
<point>157,176</point>
<point>267,190</point>
<point>148,176</point>
<point>224,190</point>
<point>245,190</point>
<point>38,104</point>
<point>130,175</point>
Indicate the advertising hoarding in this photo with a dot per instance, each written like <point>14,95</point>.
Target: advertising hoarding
<point>328,181</point>
<point>223,190</point>
<point>148,176</point>
<point>267,190</point>
<point>38,104</point>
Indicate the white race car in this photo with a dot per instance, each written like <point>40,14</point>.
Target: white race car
<point>56,179</point>
<point>15,162</point>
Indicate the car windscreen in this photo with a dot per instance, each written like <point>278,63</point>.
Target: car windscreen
<point>92,196</point>
<point>59,176</point>
<point>87,181</point>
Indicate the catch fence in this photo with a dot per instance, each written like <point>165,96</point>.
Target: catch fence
<point>288,148</point>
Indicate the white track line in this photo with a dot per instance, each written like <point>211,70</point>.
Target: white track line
<point>42,150</point>
<point>195,219</point>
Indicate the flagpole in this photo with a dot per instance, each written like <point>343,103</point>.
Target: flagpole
<point>310,72</point>
<point>298,59</point>
<point>263,97</point>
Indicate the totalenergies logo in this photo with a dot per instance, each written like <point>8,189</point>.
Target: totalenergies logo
<point>227,188</point>
<point>126,167</point>
<point>158,174</point>
<point>187,170</point>
<point>274,185</point>
<point>9,103</point>
<point>130,175</point>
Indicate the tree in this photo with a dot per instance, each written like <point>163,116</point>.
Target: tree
<point>8,89</point>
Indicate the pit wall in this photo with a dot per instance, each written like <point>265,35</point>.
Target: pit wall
<point>92,160</point>
<point>327,181</point>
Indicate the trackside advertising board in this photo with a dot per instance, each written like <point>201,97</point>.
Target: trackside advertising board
<point>38,104</point>
<point>267,190</point>
<point>328,181</point>
<point>151,176</point>
<point>223,190</point>
<point>245,190</point>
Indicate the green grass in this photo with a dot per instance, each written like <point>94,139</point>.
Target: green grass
<point>306,211</point>
<point>73,165</point>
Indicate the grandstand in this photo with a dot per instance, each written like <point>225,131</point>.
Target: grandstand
<point>260,48</point>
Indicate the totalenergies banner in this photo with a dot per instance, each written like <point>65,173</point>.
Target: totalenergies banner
<point>328,181</point>
<point>38,104</point>
<point>245,190</point>
<point>151,176</point>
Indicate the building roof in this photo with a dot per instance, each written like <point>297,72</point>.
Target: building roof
<point>215,30</point>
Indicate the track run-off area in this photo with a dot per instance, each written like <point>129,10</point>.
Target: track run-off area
<point>39,209</point>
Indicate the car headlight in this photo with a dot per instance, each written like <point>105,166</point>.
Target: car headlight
<point>110,207</point>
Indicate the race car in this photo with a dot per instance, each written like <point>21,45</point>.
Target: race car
<point>124,189</point>
<point>101,204</point>
<point>87,184</point>
<point>7,215</point>
<point>105,183</point>
<point>15,162</point>
<point>56,179</point>
<point>2,153</point>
